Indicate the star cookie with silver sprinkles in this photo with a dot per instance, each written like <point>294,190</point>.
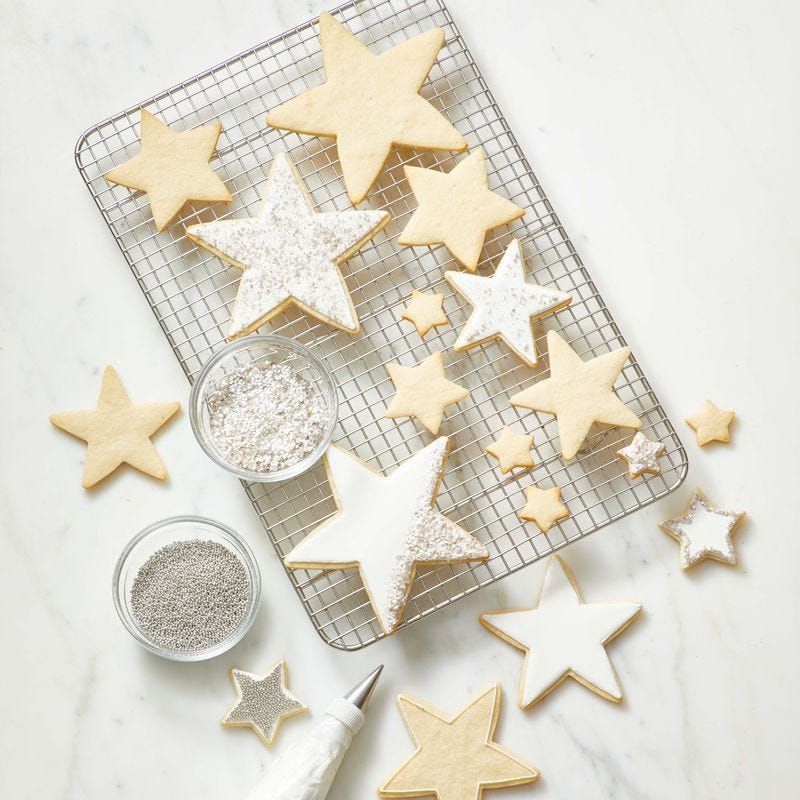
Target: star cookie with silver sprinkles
<point>703,531</point>
<point>289,254</point>
<point>262,702</point>
<point>642,456</point>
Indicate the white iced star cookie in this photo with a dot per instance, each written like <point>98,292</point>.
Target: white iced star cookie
<point>642,456</point>
<point>703,531</point>
<point>370,103</point>
<point>563,637</point>
<point>289,254</point>
<point>385,526</point>
<point>505,305</point>
<point>262,702</point>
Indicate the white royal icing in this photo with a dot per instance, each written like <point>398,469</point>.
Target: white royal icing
<point>386,525</point>
<point>504,304</point>
<point>564,635</point>
<point>288,252</point>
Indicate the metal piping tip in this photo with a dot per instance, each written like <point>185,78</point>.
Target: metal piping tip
<point>359,695</point>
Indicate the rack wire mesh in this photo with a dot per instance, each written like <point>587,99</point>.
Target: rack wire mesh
<point>191,293</point>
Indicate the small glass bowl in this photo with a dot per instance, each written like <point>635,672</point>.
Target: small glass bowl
<point>275,349</point>
<point>162,533</point>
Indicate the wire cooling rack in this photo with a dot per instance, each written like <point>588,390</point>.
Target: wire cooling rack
<point>191,293</point>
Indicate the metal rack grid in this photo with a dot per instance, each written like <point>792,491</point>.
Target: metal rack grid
<point>191,292</point>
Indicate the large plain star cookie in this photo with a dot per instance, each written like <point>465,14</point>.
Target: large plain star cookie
<point>423,392</point>
<point>563,637</point>
<point>117,432</point>
<point>172,168</point>
<point>456,209</point>
<point>386,526</point>
<point>289,254</point>
<point>579,393</point>
<point>456,756</point>
<point>370,103</point>
<point>505,305</point>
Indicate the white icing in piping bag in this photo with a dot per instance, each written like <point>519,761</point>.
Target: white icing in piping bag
<point>307,769</point>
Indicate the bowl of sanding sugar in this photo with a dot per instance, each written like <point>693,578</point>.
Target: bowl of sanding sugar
<point>264,408</point>
<point>187,588</point>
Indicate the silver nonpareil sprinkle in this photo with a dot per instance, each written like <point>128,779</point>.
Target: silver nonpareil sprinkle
<point>265,417</point>
<point>190,595</point>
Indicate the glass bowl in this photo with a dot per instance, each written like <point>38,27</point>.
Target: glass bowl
<point>162,533</point>
<point>275,349</point>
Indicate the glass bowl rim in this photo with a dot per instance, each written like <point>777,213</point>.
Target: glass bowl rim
<point>239,547</point>
<point>245,343</point>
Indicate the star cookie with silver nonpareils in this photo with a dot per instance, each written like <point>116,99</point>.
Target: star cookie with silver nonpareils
<point>642,456</point>
<point>262,702</point>
<point>704,531</point>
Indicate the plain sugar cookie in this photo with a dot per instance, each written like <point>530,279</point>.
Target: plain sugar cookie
<point>370,104</point>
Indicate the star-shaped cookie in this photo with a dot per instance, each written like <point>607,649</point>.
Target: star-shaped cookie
<point>116,431</point>
<point>456,756</point>
<point>386,526</point>
<point>711,424</point>
<point>456,208</point>
<point>423,392</point>
<point>512,450</point>
<point>704,531</point>
<point>262,702</point>
<point>425,311</point>
<point>544,507</point>
<point>579,393</point>
<point>370,103</point>
<point>172,168</point>
<point>563,637</point>
<point>289,254</point>
<point>505,304</point>
<point>642,456</point>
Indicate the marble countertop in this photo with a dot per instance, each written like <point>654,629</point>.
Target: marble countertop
<point>666,136</point>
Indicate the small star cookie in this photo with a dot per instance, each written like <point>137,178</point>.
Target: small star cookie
<point>423,392</point>
<point>425,311</point>
<point>505,305</point>
<point>116,431</point>
<point>642,456</point>
<point>579,393</point>
<point>262,702</point>
<point>544,507</point>
<point>289,253</point>
<point>563,637</point>
<point>456,209</point>
<point>704,531</point>
<point>512,450</point>
<point>456,756</point>
<point>172,168</point>
<point>370,104</point>
<point>711,424</point>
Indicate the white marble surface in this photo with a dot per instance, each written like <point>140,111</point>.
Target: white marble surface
<point>666,134</point>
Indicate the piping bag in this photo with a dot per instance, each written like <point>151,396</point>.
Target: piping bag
<point>307,769</point>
